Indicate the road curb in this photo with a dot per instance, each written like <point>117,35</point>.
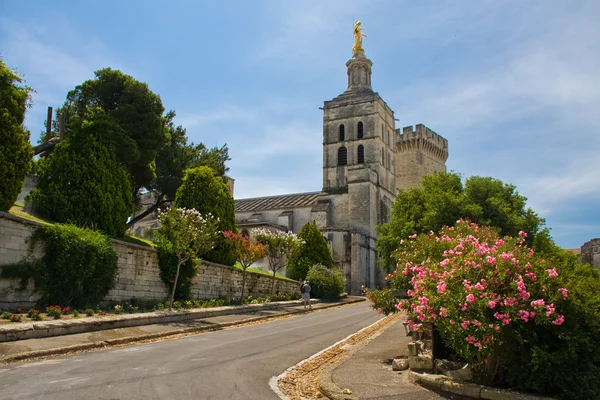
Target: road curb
<point>173,332</point>
<point>325,381</point>
<point>470,390</point>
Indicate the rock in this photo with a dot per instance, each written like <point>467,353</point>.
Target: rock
<point>347,391</point>
<point>422,362</point>
<point>442,366</point>
<point>460,375</point>
<point>414,348</point>
<point>400,364</point>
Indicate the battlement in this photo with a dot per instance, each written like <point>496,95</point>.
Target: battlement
<point>424,138</point>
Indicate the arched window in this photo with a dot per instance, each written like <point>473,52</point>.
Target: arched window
<point>342,156</point>
<point>382,157</point>
<point>360,130</point>
<point>361,154</point>
<point>342,133</point>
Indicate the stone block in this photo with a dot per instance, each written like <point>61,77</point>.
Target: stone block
<point>464,374</point>
<point>462,389</point>
<point>421,362</point>
<point>414,348</point>
<point>400,364</point>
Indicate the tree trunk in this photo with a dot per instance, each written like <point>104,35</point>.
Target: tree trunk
<point>149,211</point>
<point>273,284</point>
<point>243,285</point>
<point>175,282</point>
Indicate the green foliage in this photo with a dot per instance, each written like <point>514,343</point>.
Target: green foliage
<point>15,150</point>
<point>82,183</point>
<point>204,191</point>
<point>78,267</point>
<point>134,108</point>
<point>383,301</point>
<point>185,234</point>
<point>23,271</point>
<point>315,250</point>
<point>167,264</point>
<point>326,283</point>
<point>564,360</point>
<point>519,318</point>
<point>441,199</point>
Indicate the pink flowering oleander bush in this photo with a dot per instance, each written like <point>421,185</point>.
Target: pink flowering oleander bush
<point>500,307</point>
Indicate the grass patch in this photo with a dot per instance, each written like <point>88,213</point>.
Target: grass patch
<point>18,212</point>
<point>262,272</point>
<point>136,240</point>
<point>19,204</point>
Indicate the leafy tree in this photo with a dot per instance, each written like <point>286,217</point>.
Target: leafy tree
<point>315,250</point>
<point>173,159</point>
<point>206,192</point>
<point>326,283</point>
<point>441,199</point>
<point>281,246</point>
<point>82,183</point>
<point>134,108</point>
<point>248,251</point>
<point>15,150</point>
<point>187,234</point>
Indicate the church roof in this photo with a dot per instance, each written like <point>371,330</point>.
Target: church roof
<point>276,202</point>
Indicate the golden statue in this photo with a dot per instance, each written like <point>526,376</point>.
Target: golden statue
<point>358,35</point>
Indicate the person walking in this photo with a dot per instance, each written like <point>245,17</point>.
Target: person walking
<point>306,294</point>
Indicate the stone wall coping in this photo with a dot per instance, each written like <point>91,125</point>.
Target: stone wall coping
<point>15,218</point>
<point>29,330</point>
<point>471,390</point>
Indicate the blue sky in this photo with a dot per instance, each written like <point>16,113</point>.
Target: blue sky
<point>513,85</point>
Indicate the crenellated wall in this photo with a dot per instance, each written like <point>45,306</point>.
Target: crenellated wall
<point>137,272</point>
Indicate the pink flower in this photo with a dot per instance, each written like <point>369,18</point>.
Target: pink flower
<point>441,287</point>
<point>478,345</point>
<point>399,306</point>
<point>464,324</point>
<point>524,315</point>
<point>443,312</point>
<point>492,304</point>
<point>552,273</point>
<point>470,298</point>
<point>559,320</point>
<point>564,292</point>
<point>452,322</point>
<point>491,260</point>
<point>550,309</point>
<point>522,234</point>
<point>538,303</point>
<point>470,339</point>
<point>476,323</point>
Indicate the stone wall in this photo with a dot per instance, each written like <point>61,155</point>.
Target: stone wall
<point>590,252</point>
<point>137,273</point>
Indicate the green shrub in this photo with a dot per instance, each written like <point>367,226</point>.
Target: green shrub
<point>78,267</point>
<point>16,152</point>
<point>54,311</point>
<point>314,250</point>
<point>82,183</point>
<point>325,283</point>
<point>167,264</point>
<point>383,301</point>
<point>206,192</point>
<point>89,312</point>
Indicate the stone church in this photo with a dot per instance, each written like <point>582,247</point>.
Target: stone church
<point>366,159</point>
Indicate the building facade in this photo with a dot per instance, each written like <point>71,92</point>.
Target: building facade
<point>366,159</point>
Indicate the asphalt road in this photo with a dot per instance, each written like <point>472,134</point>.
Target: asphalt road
<point>230,364</point>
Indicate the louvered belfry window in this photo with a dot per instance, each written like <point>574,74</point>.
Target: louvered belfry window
<point>361,154</point>
<point>342,156</point>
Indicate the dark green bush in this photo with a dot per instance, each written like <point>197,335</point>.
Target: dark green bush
<point>78,267</point>
<point>82,183</point>
<point>315,250</point>
<point>15,150</point>
<point>383,301</point>
<point>325,283</point>
<point>562,360</point>
<point>167,264</point>
<point>203,190</point>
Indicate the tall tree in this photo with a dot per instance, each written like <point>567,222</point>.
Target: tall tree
<point>281,246</point>
<point>82,182</point>
<point>135,108</point>
<point>172,160</point>
<point>315,250</point>
<point>441,199</point>
<point>15,150</point>
<point>203,190</point>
